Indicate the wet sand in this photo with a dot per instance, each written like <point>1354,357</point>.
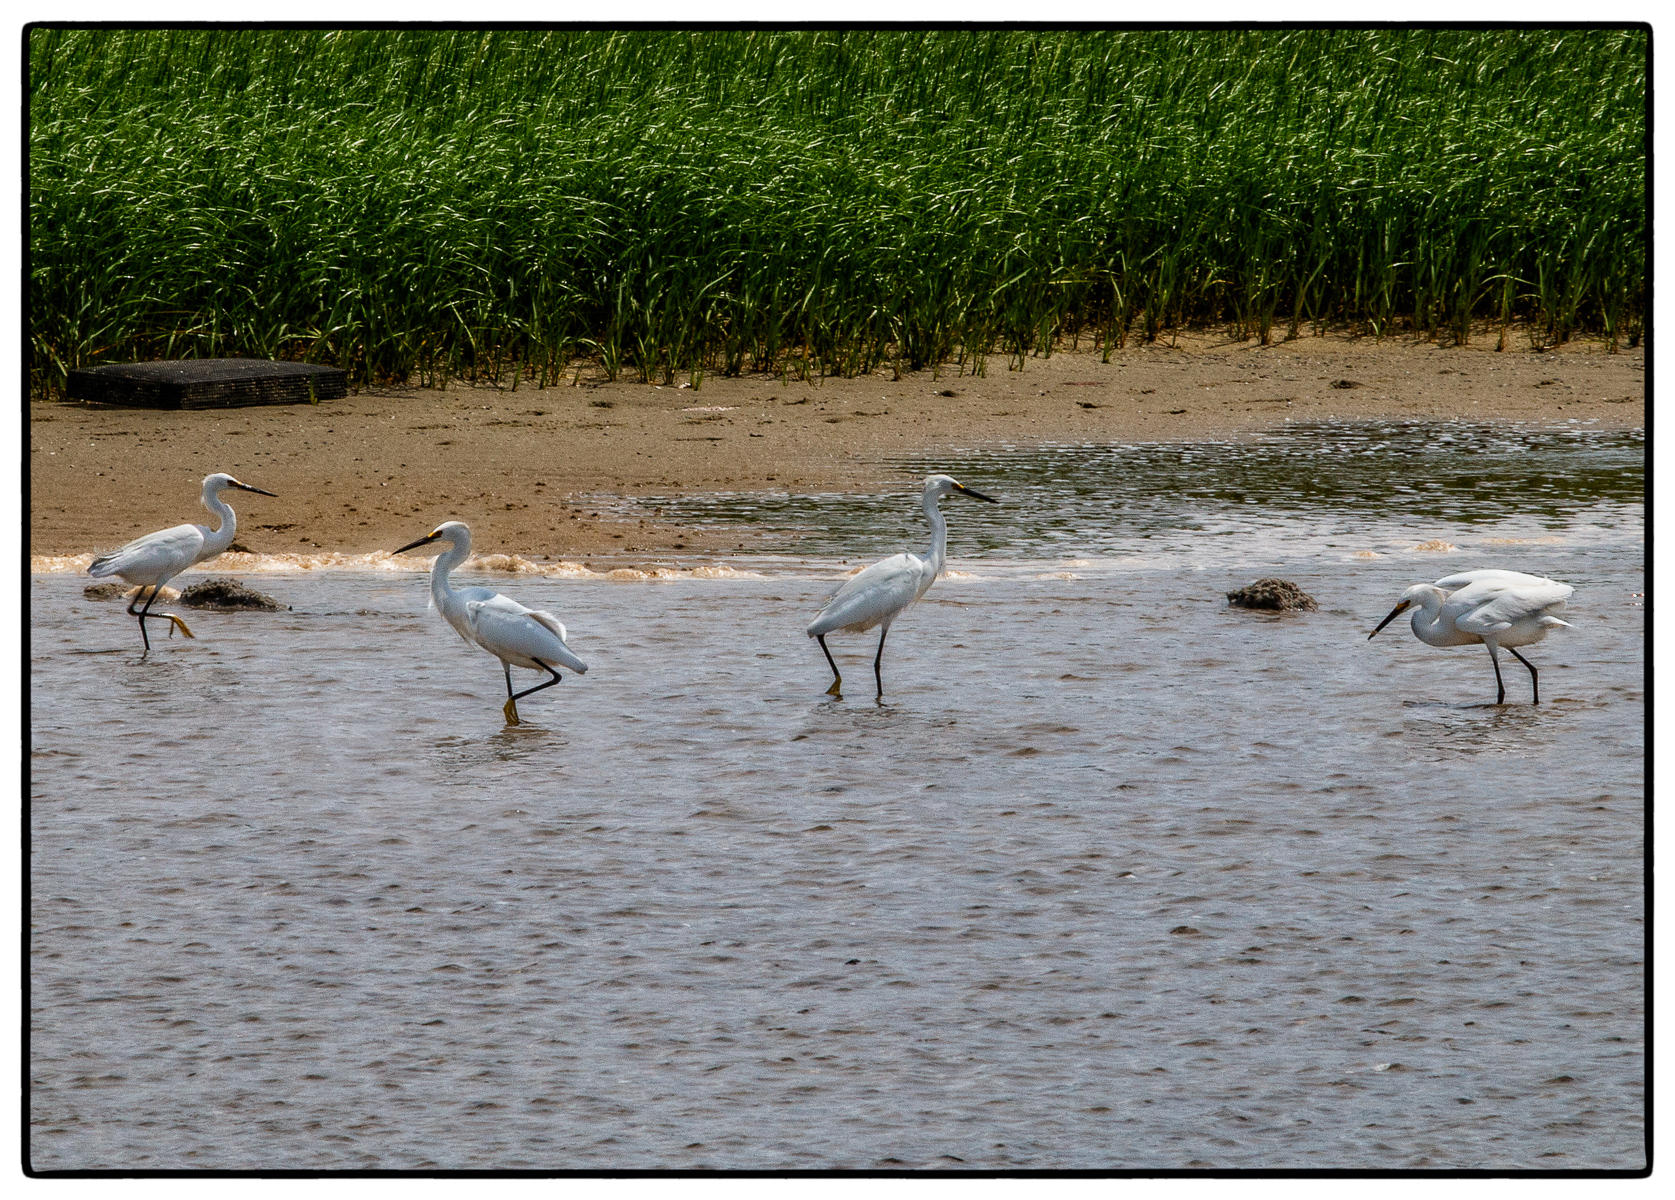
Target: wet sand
<point>524,466</point>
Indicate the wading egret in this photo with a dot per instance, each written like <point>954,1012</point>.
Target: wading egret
<point>879,594</point>
<point>517,636</point>
<point>158,557</point>
<point>1496,608</point>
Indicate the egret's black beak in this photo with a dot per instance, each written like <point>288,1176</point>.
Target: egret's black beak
<point>257,490</point>
<point>1394,613</point>
<point>424,541</point>
<point>974,495</point>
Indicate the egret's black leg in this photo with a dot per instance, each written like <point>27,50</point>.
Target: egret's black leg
<point>1535,686</point>
<point>556,678</point>
<point>878,663</point>
<point>140,613</point>
<point>146,612</point>
<point>512,698</point>
<point>837,677</point>
<point>1500,688</point>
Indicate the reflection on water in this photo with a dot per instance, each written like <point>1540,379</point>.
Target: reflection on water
<point>1482,727</point>
<point>1117,878</point>
<point>512,744</point>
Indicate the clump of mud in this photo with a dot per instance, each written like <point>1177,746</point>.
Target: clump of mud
<point>116,589</point>
<point>1278,595</point>
<point>221,592</point>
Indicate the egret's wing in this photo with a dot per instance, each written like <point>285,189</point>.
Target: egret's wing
<point>1491,605</point>
<point>876,594</point>
<point>1454,583</point>
<point>551,622</point>
<point>493,615</point>
<point>456,610</point>
<point>508,630</point>
<point>171,550</point>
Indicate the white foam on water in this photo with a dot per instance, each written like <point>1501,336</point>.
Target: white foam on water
<point>239,562</point>
<point>57,564</point>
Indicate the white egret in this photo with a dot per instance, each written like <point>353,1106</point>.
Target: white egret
<point>1496,608</point>
<point>517,636</point>
<point>158,557</point>
<point>879,594</point>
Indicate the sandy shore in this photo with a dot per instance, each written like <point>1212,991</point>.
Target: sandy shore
<point>525,467</point>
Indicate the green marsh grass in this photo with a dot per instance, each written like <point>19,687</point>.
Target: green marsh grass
<point>426,204</point>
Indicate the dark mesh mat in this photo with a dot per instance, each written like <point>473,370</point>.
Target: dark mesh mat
<point>207,383</point>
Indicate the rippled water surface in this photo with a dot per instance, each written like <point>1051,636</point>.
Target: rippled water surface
<point>1116,877</point>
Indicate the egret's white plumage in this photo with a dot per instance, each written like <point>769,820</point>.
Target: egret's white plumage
<point>153,560</point>
<point>879,594</point>
<point>1495,608</point>
<point>517,636</point>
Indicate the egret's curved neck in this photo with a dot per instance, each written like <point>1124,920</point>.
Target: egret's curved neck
<point>938,549</point>
<point>440,588</point>
<point>217,540</point>
<point>1427,615</point>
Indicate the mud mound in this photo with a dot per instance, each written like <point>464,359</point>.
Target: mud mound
<point>1277,595</point>
<point>220,592</point>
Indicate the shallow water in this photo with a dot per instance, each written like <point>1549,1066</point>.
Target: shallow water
<point>1347,486</point>
<point>1116,877</point>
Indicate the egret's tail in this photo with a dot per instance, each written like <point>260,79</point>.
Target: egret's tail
<point>822,622</point>
<point>102,566</point>
<point>568,657</point>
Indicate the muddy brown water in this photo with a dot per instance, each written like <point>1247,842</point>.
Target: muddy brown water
<point>1117,877</point>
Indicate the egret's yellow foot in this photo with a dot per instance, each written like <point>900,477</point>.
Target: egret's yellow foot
<point>836,689</point>
<point>511,711</point>
<point>178,622</point>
